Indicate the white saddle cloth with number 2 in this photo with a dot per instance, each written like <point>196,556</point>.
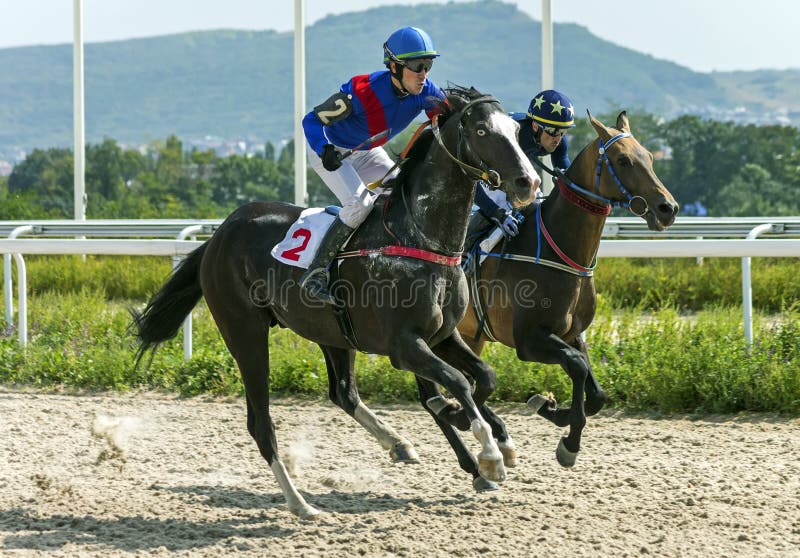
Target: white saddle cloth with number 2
<point>303,238</point>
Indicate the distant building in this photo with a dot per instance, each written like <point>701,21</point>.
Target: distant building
<point>5,168</point>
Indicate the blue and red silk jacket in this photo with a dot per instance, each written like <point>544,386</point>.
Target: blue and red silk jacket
<point>376,108</point>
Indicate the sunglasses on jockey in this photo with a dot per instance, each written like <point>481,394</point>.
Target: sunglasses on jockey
<point>553,132</point>
<point>418,65</point>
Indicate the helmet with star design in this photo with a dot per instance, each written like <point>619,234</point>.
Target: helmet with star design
<point>552,109</point>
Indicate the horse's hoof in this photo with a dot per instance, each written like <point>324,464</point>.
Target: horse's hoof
<point>509,452</point>
<point>403,452</point>
<point>439,405</point>
<point>491,469</point>
<point>536,402</point>
<point>482,485</point>
<point>565,457</point>
<point>306,512</point>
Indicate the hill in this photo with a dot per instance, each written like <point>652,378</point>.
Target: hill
<point>238,84</point>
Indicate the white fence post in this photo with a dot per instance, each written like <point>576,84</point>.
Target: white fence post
<point>747,290</point>
<point>187,323</point>
<point>8,286</point>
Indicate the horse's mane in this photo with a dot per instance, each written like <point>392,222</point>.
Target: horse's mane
<point>456,96</point>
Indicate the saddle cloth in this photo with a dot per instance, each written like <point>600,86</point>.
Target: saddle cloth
<point>303,238</point>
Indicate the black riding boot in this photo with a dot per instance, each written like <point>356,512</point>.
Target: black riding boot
<point>315,279</point>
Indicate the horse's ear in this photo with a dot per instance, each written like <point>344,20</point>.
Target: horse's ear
<point>622,122</point>
<point>599,127</point>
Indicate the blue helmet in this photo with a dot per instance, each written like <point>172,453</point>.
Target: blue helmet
<point>408,43</point>
<point>552,109</point>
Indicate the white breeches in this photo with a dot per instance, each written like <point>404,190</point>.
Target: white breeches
<point>349,181</point>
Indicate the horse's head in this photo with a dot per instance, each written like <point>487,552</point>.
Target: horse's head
<point>623,173</point>
<point>482,138</point>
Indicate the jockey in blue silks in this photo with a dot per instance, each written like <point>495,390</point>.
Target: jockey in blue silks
<point>364,106</point>
<point>541,133</point>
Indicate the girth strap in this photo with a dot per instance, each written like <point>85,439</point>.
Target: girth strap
<point>341,313</point>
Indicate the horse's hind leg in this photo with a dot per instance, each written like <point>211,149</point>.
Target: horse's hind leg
<point>427,392</point>
<point>246,334</point>
<point>343,391</point>
<point>412,353</point>
<point>457,353</point>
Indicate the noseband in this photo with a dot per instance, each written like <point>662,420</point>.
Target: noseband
<point>490,176</point>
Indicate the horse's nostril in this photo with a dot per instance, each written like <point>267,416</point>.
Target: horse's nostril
<point>527,182</point>
<point>668,209</point>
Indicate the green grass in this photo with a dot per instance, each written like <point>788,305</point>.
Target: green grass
<point>657,360</point>
<point>624,283</point>
<point>668,337</point>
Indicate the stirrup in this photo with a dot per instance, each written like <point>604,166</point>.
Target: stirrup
<point>315,283</point>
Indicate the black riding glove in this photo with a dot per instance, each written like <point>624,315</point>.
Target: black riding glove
<point>331,159</point>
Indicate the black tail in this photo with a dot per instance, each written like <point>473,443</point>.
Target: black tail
<point>162,317</point>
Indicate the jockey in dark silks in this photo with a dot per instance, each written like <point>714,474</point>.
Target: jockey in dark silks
<point>550,114</point>
<point>364,106</point>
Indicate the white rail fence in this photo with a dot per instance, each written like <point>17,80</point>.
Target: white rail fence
<point>645,247</point>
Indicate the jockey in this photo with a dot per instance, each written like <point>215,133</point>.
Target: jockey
<point>364,106</point>
<point>542,129</point>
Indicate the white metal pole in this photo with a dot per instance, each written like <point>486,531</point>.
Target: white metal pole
<point>547,71</point>
<point>78,113</point>
<point>300,196</point>
<point>7,280</point>
<point>188,232</point>
<point>547,46</point>
<point>747,290</point>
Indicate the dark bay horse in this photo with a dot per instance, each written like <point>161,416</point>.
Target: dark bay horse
<point>405,295</point>
<point>539,287</point>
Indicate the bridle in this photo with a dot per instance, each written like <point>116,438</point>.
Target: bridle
<point>602,157</point>
<point>484,174</point>
<point>490,176</point>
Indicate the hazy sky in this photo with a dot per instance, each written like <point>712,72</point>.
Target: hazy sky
<point>703,35</point>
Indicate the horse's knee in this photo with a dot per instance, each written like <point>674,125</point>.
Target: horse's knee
<point>487,380</point>
<point>595,402</point>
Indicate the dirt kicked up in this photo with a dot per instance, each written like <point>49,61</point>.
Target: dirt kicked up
<point>151,475</point>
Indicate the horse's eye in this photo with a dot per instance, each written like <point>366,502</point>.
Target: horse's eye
<point>481,132</point>
<point>624,161</point>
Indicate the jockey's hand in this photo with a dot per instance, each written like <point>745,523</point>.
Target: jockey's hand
<point>506,221</point>
<point>331,159</point>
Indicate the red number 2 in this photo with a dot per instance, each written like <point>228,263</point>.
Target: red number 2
<point>294,253</point>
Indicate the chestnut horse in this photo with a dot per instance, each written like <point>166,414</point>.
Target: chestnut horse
<point>539,285</point>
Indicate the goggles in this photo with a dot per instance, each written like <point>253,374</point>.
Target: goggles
<point>418,65</point>
<point>554,132</point>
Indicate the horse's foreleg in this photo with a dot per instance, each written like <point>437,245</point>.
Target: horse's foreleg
<point>427,392</point>
<point>413,354</point>
<point>595,396</point>
<point>549,348</point>
<point>343,391</point>
<point>456,352</point>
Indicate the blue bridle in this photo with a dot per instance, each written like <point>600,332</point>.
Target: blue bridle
<point>603,156</point>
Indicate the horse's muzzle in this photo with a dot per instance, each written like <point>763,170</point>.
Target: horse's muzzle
<point>522,190</point>
<point>662,215</point>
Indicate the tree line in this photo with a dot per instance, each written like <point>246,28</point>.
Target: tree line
<point>721,168</point>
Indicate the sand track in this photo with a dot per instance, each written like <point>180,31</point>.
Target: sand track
<point>152,475</point>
